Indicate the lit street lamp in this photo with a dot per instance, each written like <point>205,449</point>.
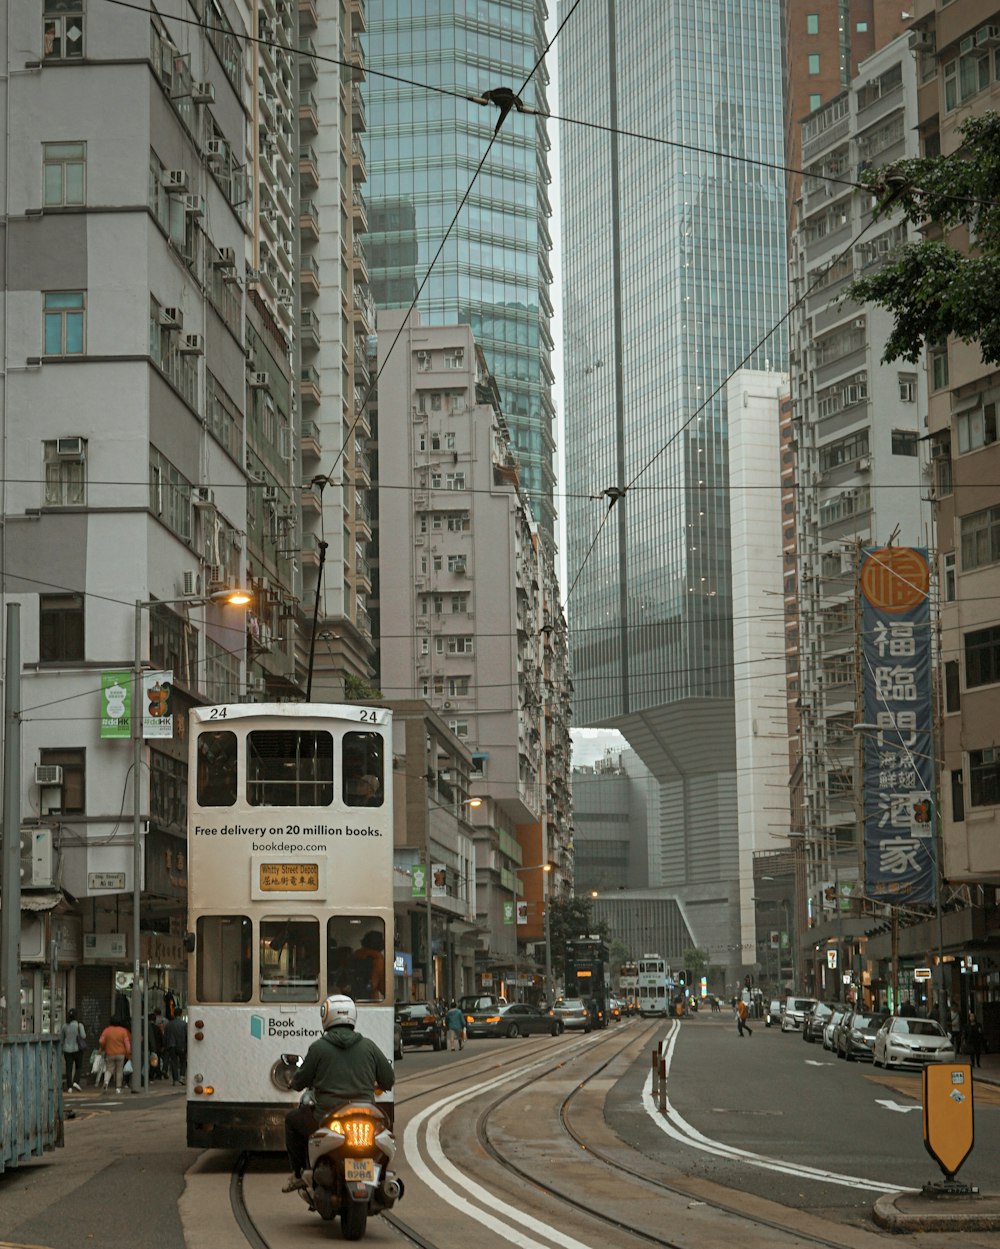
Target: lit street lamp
<point>232,598</point>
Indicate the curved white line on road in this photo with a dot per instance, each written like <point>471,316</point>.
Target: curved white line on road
<point>435,1114</point>
<point>677,1127</point>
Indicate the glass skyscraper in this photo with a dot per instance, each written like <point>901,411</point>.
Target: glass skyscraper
<point>425,143</point>
<point>674,273</point>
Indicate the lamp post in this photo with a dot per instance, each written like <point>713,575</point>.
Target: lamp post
<point>233,598</point>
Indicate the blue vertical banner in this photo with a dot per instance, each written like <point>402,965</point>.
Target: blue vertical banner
<point>899,817</point>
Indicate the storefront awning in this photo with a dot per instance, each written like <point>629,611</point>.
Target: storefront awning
<point>49,901</point>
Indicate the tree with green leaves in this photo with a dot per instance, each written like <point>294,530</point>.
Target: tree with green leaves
<point>932,288</point>
<point>358,689</point>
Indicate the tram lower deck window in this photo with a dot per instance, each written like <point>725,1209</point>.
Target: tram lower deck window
<point>355,961</point>
<point>224,960</point>
<point>289,959</point>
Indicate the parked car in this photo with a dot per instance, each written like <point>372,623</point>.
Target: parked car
<point>773,1014</point>
<point>397,1039</point>
<point>520,1019</point>
<point>421,1023</point>
<point>814,1023</point>
<point>574,1013</point>
<point>794,1011</point>
<point>911,1042</point>
<point>831,1024</point>
<point>857,1035</point>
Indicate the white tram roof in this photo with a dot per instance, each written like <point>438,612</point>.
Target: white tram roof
<point>293,711</point>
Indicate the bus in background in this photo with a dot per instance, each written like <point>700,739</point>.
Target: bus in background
<point>290,882</point>
<point>654,993</point>
<point>587,976</point>
<point>628,986</point>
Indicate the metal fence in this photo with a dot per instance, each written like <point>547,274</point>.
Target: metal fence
<point>31,1098</point>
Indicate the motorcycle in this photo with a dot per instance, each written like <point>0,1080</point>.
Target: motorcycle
<point>350,1154</point>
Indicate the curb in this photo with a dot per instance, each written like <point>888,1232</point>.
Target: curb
<point>909,1212</point>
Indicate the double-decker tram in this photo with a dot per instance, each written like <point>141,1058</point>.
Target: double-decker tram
<point>654,998</point>
<point>290,841</point>
<point>586,976</point>
<point>628,985</point>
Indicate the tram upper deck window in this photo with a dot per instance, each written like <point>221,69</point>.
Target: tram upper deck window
<point>364,775</point>
<point>289,959</point>
<point>216,769</point>
<point>224,959</point>
<point>289,768</point>
<point>355,960</point>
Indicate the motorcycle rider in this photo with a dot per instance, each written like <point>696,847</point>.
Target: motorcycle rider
<point>340,1066</point>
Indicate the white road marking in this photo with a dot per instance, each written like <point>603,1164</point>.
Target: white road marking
<point>674,1125</point>
<point>895,1106</point>
<point>434,1115</point>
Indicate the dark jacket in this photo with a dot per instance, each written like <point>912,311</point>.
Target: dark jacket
<point>342,1066</point>
<point>175,1035</point>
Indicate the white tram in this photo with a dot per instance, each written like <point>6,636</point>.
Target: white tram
<point>653,989</point>
<point>290,836</point>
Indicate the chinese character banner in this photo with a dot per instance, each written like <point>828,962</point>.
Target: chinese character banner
<point>900,854</point>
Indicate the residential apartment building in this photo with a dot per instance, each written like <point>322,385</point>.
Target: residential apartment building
<point>957,53</point>
<point>426,144</point>
<point>469,615</point>
<point>152,422</point>
<point>674,262</point>
<point>862,475</point>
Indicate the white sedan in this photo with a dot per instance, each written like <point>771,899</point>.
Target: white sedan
<point>903,1041</point>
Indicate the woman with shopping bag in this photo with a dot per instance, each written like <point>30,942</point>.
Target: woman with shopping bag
<point>116,1047</point>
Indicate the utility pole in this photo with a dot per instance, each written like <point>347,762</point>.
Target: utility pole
<point>10,865</point>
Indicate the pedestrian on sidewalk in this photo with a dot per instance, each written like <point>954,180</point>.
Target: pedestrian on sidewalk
<point>74,1043</point>
<point>175,1049</point>
<point>742,1015</point>
<point>116,1045</point>
<point>455,1021</point>
<point>974,1039</point>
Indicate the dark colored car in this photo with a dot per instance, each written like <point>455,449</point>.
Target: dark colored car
<point>397,1039</point>
<point>816,1021</point>
<point>485,1020</point>
<point>520,1019</point>
<point>422,1024</point>
<point>856,1035</point>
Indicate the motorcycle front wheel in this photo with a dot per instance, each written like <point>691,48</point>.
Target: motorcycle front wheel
<point>353,1220</point>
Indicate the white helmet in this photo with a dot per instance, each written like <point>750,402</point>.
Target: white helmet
<point>338,1011</point>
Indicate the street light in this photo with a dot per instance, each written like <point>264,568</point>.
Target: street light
<point>232,598</point>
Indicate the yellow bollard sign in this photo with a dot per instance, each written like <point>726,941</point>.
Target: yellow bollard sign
<point>948,1127</point>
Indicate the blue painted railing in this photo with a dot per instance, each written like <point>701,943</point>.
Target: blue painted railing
<point>31,1098</point>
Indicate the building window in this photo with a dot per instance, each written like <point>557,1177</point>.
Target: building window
<point>455,481</point>
<point>460,728</point>
<point>60,627</point>
<point>862,28</point>
<point>74,774</point>
<point>460,646</point>
<point>980,538</point>
<point>65,475</point>
<point>63,30</point>
<point>423,363</point>
<point>812,23</point>
<point>941,463</point>
<point>948,574</point>
<point>814,102</point>
<point>982,657</point>
<point>459,603</point>
<point>454,359</point>
<point>458,687</point>
<point>977,428</point>
<point>813,63</point>
<point>939,368</point>
<point>456,563</point>
<point>952,687</point>
<point>63,174</point>
<point>957,796</point>
<point>907,387</point>
<point>65,313</point>
<point>984,777</point>
<point>169,495</point>
<point>904,441</point>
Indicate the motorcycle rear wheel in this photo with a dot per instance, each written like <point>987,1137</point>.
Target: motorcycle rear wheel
<point>353,1220</point>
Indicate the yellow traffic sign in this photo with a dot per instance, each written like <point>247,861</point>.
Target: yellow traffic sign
<point>948,1118</point>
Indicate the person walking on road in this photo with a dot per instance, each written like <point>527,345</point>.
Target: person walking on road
<point>974,1039</point>
<point>74,1042</point>
<point>175,1040</point>
<point>955,1028</point>
<point>742,1016</point>
<point>116,1045</point>
<point>456,1027</point>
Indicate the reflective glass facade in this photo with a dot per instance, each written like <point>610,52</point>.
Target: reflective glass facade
<point>423,152</point>
<point>657,312</point>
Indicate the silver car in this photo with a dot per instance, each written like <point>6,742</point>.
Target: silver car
<point>911,1042</point>
<point>574,1014</point>
<point>794,1011</point>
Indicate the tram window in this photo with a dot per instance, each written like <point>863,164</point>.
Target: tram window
<point>289,768</point>
<point>216,769</point>
<point>289,959</point>
<point>355,960</point>
<point>364,777</point>
<point>224,962</point>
